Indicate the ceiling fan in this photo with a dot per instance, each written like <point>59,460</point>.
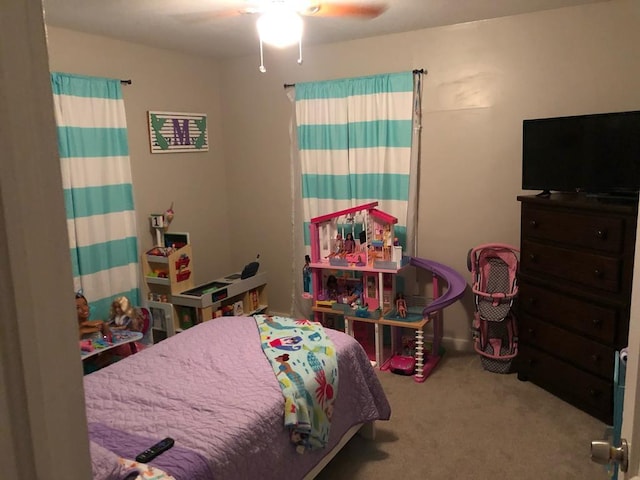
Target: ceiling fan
<point>315,8</point>
<point>280,21</point>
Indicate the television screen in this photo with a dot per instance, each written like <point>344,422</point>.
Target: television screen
<point>597,153</point>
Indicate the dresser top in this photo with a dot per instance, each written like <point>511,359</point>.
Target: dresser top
<point>583,201</point>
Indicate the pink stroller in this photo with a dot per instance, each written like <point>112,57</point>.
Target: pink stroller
<point>494,267</point>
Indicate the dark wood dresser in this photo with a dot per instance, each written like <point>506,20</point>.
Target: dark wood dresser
<point>576,270</point>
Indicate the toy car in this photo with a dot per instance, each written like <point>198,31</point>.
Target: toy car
<point>402,364</point>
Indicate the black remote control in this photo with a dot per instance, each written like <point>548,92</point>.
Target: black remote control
<point>152,452</point>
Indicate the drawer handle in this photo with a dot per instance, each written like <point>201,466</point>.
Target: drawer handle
<point>532,301</point>
<point>531,332</point>
<point>601,234</point>
<point>598,273</point>
<point>597,322</point>
<point>533,257</point>
<point>595,358</point>
<point>533,223</point>
<point>594,393</point>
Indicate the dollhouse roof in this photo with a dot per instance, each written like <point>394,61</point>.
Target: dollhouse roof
<point>369,207</point>
<point>382,216</point>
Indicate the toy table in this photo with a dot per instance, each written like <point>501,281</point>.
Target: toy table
<point>119,337</point>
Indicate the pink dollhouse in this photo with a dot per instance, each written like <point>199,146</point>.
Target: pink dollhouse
<point>355,266</point>
<point>356,245</point>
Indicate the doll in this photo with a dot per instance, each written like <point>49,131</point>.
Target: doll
<point>121,314</point>
<point>349,244</point>
<point>89,329</point>
<point>332,287</point>
<point>306,274</point>
<point>401,305</point>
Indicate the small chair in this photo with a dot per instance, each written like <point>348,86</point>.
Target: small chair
<point>147,321</point>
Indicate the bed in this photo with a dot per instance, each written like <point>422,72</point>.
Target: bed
<point>213,391</point>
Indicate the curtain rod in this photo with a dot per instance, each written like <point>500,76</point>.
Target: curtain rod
<point>421,70</point>
<point>125,82</point>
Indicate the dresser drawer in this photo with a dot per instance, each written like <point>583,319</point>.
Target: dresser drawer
<point>591,270</point>
<point>587,392</point>
<point>592,356</point>
<point>595,321</point>
<point>595,232</point>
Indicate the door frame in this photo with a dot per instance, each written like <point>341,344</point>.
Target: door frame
<point>631,410</point>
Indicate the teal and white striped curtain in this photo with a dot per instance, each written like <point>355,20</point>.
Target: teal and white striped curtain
<point>358,142</point>
<point>96,176</point>
<point>354,140</point>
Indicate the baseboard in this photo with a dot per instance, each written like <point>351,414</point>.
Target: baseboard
<point>457,344</point>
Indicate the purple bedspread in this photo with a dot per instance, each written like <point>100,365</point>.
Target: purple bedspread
<point>212,389</point>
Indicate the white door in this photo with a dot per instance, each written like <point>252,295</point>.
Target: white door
<point>631,411</point>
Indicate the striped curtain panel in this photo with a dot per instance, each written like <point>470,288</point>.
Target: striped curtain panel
<point>96,175</point>
<point>354,140</point>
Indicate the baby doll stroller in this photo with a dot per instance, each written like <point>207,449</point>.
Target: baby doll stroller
<point>494,268</point>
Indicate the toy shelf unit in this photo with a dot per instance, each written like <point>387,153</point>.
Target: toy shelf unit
<point>226,296</point>
<point>166,271</point>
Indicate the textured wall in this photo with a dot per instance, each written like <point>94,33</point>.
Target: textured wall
<point>484,79</point>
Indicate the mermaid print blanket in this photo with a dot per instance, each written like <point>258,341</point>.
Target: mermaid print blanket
<point>306,366</point>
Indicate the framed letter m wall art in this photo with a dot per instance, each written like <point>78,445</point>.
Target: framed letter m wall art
<point>171,132</point>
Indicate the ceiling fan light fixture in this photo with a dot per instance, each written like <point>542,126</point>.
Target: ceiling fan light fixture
<point>280,27</point>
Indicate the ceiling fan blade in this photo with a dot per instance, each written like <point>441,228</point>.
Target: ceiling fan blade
<point>207,16</point>
<point>346,10</point>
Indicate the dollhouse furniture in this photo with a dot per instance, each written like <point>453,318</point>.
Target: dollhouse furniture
<point>367,282</point>
<point>213,390</point>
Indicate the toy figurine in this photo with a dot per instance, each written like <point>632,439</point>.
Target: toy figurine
<point>306,274</point>
<point>349,244</point>
<point>401,305</point>
<point>332,287</point>
<point>338,247</point>
<point>168,216</point>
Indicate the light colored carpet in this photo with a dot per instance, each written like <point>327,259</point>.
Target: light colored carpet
<point>466,423</point>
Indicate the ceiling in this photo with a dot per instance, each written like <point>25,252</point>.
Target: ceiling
<point>201,27</point>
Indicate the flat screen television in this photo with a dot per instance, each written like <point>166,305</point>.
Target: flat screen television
<point>597,154</point>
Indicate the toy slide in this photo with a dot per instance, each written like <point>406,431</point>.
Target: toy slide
<point>456,283</point>
<point>456,286</point>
